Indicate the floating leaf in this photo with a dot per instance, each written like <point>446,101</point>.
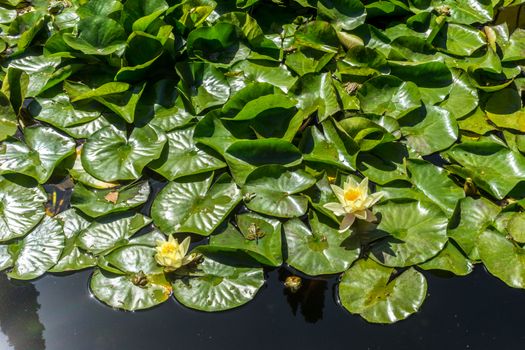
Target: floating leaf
<point>449,259</point>
<point>222,284</point>
<point>111,231</point>
<point>502,258</point>
<point>389,95</point>
<point>491,165</point>
<point>474,217</point>
<point>368,289</point>
<point>21,208</point>
<point>275,191</point>
<point>73,258</point>
<point>194,204</point>
<point>141,285</point>
<point>416,231</point>
<point>97,203</point>
<point>435,184</point>
<point>43,149</point>
<point>320,249</point>
<point>258,236</point>
<point>182,157</point>
<point>109,155</point>
<point>38,251</point>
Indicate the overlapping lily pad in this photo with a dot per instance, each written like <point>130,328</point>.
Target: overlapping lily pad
<point>221,284</point>
<point>196,205</point>
<point>319,249</point>
<point>416,231</point>
<point>235,119</point>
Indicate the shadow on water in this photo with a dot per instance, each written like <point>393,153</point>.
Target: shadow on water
<point>19,320</point>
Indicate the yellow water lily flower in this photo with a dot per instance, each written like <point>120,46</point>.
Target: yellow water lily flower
<point>171,254</point>
<point>354,202</point>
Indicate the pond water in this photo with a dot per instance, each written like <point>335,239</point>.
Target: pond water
<point>58,313</point>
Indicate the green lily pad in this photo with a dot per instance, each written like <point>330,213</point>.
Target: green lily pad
<point>203,85</point>
<point>275,191</point>
<point>332,146</point>
<point>194,204</point>
<point>80,175</point>
<point>141,285</point>
<point>43,150</point>
<point>38,251</point>
<point>182,157</point>
<point>21,209</point>
<point>431,131</point>
<point>449,259</point>
<point>389,95</point>
<point>385,163</point>
<point>109,155</point>
<point>460,40</point>
<point>244,156</point>
<point>320,249</point>
<point>222,284</point>
<point>8,119</point>
<point>97,35</point>
<point>97,203</point>
<point>73,258</point>
<point>258,236</point>
<point>516,227</point>
<point>59,112</point>
<point>368,289</point>
<point>416,231</point>
<point>475,215</point>
<point>316,92</point>
<point>502,258</point>
<point>111,231</point>
<point>343,14</point>
<point>463,97</point>
<point>491,165</point>
<point>435,184</point>
<point>6,260</point>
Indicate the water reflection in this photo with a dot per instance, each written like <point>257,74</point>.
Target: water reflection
<point>309,299</point>
<point>19,320</point>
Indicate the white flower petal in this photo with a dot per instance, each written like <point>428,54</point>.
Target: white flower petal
<point>348,220</point>
<point>336,208</point>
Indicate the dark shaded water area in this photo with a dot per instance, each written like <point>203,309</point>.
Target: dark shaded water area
<point>58,313</point>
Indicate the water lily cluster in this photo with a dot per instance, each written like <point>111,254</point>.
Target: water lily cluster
<point>180,148</point>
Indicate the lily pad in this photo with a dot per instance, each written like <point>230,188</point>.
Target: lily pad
<point>429,131</point>
<point>449,259</point>
<point>416,231</point>
<point>39,251</point>
<point>389,95</point>
<point>182,157</point>
<point>474,216</point>
<point>503,258</point>
<point>368,289</point>
<point>319,249</point>
<point>221,284</point>
<point>141,285</point>
<point>491,165</point>
<point>109,155</point>
<point>97,203</point>
<point>274,190</point>
<point>435,184</point>
<point>258,236</point>
<point>111,231</point>
<point>73,258</point>
<point>195,205</point>
<point>43,150</point>
<point>21,209</point>
<point>8,119</point>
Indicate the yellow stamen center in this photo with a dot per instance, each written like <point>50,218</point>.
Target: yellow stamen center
<point>352,195</point>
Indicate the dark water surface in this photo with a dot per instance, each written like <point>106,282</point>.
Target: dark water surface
<point>58,313</point>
